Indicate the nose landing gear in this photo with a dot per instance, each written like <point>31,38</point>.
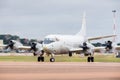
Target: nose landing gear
<point>52,59</point>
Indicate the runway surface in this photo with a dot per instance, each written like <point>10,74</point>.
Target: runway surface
<point>59,71</point>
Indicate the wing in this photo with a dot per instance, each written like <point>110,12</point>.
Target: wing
<point>98,49</point>
<point>24,47</point>
<point>117,47</point>
<point>100,37</point>
<point>76,50</point>
<point>3,45</point>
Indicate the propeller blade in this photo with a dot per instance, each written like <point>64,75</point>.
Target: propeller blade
<point>10,45</point>
<point>33,47</point>
<point>109,46</point>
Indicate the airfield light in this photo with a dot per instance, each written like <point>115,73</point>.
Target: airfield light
<point>114,24</point>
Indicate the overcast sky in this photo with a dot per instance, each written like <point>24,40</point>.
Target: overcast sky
<point>38,18</point>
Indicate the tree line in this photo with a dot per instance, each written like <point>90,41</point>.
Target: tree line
<point>7,37</point>
<point>27,42</point>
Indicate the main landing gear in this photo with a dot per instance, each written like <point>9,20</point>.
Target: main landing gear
<point>90,59</point>
<point>70,54</point>
<point>88,52</point>
<point>40,59</point>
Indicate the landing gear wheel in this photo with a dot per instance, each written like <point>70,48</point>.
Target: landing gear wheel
<point>70,54</point>
<point>34,54</point>
<point>52,59</point>
<point>90,59</point>
<point>40,59</point>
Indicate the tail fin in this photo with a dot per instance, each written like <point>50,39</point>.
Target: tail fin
<point>82,32</point>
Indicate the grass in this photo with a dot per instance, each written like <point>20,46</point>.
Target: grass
<point>60,58</point>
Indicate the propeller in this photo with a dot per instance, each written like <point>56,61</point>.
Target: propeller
<point>33,47</point>
<point>85,49</point>
<point>108,45</point>
<point>10,45</point>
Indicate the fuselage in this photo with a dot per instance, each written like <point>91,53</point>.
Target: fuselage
<point>61,44</point>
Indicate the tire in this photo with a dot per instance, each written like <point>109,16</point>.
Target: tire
<point>70,54</point>
<point>88,59</point>
<point>39,59</point>
<point>92,59</point>
<point>52,59</point>
<point>34,54</point>
<point>42,59</point>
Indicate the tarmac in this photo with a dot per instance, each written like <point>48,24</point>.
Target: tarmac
<point>59,71</point>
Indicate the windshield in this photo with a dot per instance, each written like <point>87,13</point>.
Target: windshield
<point>48,41</point>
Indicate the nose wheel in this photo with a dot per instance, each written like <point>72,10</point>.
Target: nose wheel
<point>70,54</point>
<point>52,59</point>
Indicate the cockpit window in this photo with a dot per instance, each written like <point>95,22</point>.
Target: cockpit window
<point>48,41</point>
